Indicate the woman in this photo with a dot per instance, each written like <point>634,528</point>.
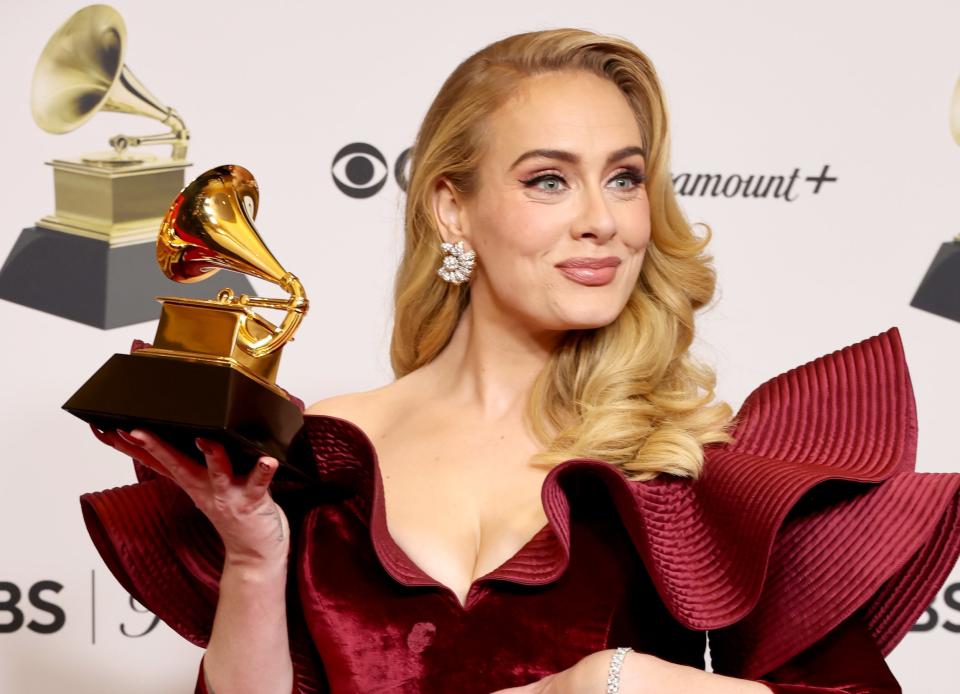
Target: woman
<point>559,485</point>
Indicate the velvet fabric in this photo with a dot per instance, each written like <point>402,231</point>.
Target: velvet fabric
<point>806,550</point>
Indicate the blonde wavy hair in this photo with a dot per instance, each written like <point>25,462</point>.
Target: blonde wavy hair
<point>629,393</point>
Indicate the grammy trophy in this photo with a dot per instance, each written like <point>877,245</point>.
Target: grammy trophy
<point>92,259</point>
<point>211,370</point>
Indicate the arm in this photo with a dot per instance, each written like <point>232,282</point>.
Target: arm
<point>646,674</point>
<point>640,673</point>
<point>248,649</point>
<point>845,661</point>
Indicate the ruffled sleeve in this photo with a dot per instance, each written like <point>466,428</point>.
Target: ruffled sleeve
<point>168,556</point>
<point>816,534</point>
<point>814,513</point>
<point>845,661</point>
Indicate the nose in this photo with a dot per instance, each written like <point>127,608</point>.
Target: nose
<point>594,220</point>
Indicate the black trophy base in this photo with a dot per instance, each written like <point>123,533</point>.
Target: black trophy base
<point>88,281</point>
<point>180,400</point>
<point>939,292</point>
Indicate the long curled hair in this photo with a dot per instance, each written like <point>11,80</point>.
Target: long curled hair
<point>629,393</point>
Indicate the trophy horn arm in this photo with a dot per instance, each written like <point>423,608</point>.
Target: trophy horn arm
<point>179,137</point>
<point>296,307</point>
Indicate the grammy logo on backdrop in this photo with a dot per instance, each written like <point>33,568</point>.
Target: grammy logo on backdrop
<point>211,370</point>
<point>939,291</point>
<point>93,259</point>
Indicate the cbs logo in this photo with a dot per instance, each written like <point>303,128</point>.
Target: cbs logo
<point>11,605</point>
<point>20,608</point>
<point>360,170</point>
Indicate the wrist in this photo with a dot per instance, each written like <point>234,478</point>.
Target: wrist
<point>255,568</point>
<point>631,672</point>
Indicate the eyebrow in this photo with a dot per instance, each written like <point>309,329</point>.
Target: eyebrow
<point>572,158</point>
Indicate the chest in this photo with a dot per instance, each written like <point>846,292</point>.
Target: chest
<point>460,507</point>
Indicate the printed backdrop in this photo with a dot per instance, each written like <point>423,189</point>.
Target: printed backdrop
<point>848,103</point>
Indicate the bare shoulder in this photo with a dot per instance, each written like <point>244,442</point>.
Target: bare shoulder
<point>344,404</point>
<point>366,408</point>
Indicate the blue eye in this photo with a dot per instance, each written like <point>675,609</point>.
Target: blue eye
<point>530,183</point>
<point>634,176</point>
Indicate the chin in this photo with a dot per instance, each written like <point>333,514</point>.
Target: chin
<point>580,320</point>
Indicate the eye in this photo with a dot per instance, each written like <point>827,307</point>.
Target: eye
<point>545,178</point>
<point>633,177</point>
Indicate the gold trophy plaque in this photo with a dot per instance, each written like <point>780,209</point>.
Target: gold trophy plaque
<point>212,367</point>
<point>92,259</point>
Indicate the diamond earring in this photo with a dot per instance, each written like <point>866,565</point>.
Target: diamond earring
<point>457,263</point>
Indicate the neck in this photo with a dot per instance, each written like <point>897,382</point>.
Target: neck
<point>491,362</point>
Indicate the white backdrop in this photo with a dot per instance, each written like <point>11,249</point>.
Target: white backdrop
<point>754,88</point>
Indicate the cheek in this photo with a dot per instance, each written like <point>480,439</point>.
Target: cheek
<point>636,227</point>
<point>518,233</point>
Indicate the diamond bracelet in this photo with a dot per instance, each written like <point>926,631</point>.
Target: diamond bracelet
<point>613,674</point>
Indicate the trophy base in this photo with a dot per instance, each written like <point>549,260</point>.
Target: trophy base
<point>939,292</point>
<point>89,281</point>
<point>179,400</point>
<point>117,199</point>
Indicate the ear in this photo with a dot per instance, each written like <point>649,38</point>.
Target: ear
<point>450,213</point>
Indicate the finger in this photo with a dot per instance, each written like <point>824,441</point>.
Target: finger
<point>260,477</point>
<point>120,441</point>
<point>148,462</point>
<point>114,440</point>
<point>219,469</point>
<point>101,435</point>
<point>186,473</point>
<point>125,443</point>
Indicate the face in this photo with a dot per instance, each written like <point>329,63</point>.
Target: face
<point>536,215</point>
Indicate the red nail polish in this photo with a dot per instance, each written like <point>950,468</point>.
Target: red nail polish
<point>128,438</point>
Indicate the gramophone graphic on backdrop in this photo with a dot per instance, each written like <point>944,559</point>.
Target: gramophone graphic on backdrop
<point>939,291</point>
<point>94,259</point>
<point>211,370</point>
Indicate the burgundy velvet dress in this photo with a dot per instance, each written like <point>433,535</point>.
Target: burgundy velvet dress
<point>806,551</point>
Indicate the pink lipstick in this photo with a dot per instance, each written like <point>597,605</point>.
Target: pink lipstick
<point>592,272</point>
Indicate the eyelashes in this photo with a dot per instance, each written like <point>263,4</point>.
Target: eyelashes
<point>630,173</point>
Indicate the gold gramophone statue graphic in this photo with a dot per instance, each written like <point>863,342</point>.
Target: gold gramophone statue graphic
<point>212,367</point>
<point>92,260</point>
<point>939,291</point>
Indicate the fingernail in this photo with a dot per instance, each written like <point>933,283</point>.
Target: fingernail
<point>264,465</point>
<point>129,438</point>
<point>201,445</point>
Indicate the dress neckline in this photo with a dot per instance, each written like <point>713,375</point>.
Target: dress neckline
<point>340,445</point>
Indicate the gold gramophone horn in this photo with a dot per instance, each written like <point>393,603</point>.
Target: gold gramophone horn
<point>211,369</point>
<point>210,227</point>
<point>81,71</point>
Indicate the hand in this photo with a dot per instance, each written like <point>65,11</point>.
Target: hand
<point>253,527</point>
<point>589,674</point>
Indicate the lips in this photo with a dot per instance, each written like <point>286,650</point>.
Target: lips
<point>594,263</point>
<point>592,272</point>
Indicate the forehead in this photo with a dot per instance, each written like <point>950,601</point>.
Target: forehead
<point>574,111</point>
